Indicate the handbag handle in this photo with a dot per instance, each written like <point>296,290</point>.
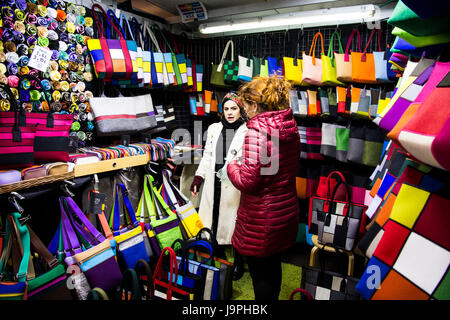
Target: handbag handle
<point>130,283</point>
<point>137,35</point>
<point>123,18</point>
<point>99,25</point>
<point>142,264</point>
<point>355,31</point>
<point>156,27</point>
<point>16,134</point>
<point>115,214</point>
<point>224,54</point>
<point>112,15</point>
<point>13,220</point>
<point>330,47</point>
<point>313,47</point>
<point>329,180</point>
<point>363,56</point>
<point>146,28</point>
<point>173,270</point>
<point>303,292</point>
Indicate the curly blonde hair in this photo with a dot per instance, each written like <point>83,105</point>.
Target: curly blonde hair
<point>269,93</point>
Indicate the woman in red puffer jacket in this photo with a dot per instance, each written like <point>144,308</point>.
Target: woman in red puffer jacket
<point>267,218</point>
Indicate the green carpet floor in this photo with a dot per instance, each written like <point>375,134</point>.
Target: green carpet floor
<point>291,277</point>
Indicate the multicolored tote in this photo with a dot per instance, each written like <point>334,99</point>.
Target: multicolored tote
<point>344,61</point>
<point>111,57</point>
<point>159,71</point>
<point>412,258</point>
<point>17,143</point>
<point>230,67</point>
<point>312,66</point>
<point>329,63</point>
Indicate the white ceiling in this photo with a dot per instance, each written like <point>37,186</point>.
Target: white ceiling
<point>237,9</point>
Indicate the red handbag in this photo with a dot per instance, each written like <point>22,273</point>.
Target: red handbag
<point>16,143</point>
<point>51,143</point>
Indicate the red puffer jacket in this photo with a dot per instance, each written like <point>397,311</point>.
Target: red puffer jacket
<point>267,218</point>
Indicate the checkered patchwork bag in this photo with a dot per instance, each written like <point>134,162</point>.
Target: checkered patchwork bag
<point>111,57</point>
<point>230,67</point>
<point>339,223</point>
<point>412,259</point>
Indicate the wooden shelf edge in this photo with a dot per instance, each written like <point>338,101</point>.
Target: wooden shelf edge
<point>25,184</point>
<point>110,165</point>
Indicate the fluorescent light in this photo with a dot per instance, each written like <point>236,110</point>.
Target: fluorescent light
<point>342,15</point>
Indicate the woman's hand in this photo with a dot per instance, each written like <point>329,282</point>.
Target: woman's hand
<point>195,186</point>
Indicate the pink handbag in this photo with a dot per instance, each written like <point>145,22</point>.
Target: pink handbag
<point>312,66</point>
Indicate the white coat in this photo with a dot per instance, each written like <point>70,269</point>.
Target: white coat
<point>230,196</point>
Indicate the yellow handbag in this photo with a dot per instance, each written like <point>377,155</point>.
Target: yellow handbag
<point>329,63</point>
<point>293,70</point>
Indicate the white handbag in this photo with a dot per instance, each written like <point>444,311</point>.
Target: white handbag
<point>245,72</point>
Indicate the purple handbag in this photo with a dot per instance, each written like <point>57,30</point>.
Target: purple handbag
<point>98,260</point>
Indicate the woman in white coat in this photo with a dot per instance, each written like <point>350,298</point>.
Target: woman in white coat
<point>220,199</point>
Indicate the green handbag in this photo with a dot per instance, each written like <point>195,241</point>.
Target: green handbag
<point>230,67</point>
<point>408,20</point>
<point>218,75</point>
<point>264,71</point>
<point>164,222</point>
<point>256,66</point>
<point>419,42</point>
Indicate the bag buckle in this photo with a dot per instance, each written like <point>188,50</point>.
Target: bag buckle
<point>23,220</point>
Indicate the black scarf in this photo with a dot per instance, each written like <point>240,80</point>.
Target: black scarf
<point>224,145</point>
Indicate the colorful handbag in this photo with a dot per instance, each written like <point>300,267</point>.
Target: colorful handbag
<point>218,72</point>
<point>185,210</point>
<point>129,236</point>
<point>51,141</point>
<point>328,142</point>
<point>293,70</point>
<point>17,142</point>
<point>339,223</point>
<point>159,72</point>
<point>96,259</point>
<point>274,67</point>
<point>363,64</point>
<point>264,70</point>
<point>412,257</point>
<point>329,63</point>
<point>344,61</point>
<point>312,66</point>
<point>136,32</point>
<point>153,210</point>
<point>310,140</point>
<point>110,57</point>
<point>230,67</point>
<point>165,283</point>
<point>245,72</point>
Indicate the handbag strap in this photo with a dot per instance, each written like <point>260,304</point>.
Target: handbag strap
<point>40,248</point>
<point>146,29</point>
<point>112,15</point>
<point>173,270</point>
<point>114,221</point>
<point>142,264</point>
<point>17,136</point>
<point>129,283</point>
<point>24,236</point>
<point>331,46</point>
<point>329,180</point>
<point>313,46</point>
<point>156,27</point>
<point>184,265</point>
<point>99,25</point>
<point>123,18</point>
<point>224,54</point>
<point>355,31</point>
<point>137,32</point>
<point>367,44</point>
<point>303,292</point>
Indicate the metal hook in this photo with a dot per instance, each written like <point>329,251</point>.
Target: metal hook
<point>64,187</point>
<point>13,200</point>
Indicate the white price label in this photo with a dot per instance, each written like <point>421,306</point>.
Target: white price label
<point>40,58</point>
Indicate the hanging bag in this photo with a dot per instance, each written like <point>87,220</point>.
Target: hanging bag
<point>110,57</point>
<point>217,71</point>
<point>344,61</point>
<point>312,66</point>
<point>173,69</point>
<point>230,67</point>
<point>329,63</point>
<point>363,64</point>
<point>51,141</point>
<point>293,66</point>
<point>129,236</point>
<point>245,72</point>
<point>183,206</point>
<point>159,71</point>
<point>136,32</point>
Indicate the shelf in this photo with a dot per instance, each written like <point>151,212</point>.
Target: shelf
<point>25,184</point>
<point>110,165</point>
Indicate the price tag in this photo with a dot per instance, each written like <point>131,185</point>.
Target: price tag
<point>40,58</point>
<point>96,201</point>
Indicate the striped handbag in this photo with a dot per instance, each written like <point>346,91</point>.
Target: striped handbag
<point>51,142</point>
<point>16,143</point>
<point>111,57</point>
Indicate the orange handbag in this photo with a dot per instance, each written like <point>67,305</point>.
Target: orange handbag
<point>363,65</point>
